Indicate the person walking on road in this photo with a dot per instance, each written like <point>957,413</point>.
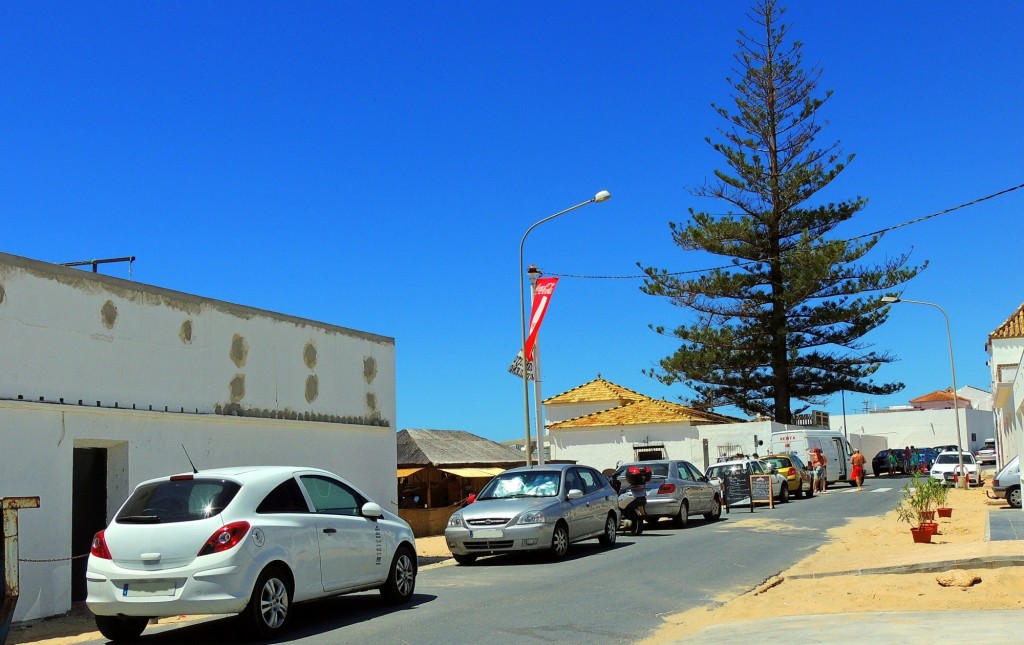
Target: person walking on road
<point>915,460</point>
<point>857,472</point>
<point>892,463</point>
<point>818,465</point>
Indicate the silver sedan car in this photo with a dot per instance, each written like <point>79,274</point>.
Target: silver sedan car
<point>535,508</point>
<point>677,490</point>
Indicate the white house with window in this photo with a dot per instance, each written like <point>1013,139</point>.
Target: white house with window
<point>107,382</point>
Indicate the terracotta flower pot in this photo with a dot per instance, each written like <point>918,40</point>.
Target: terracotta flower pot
<point>930,527</point>
<point>920,536</point>
<point>945,512</point>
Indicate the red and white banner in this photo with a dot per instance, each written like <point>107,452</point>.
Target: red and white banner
<point>541,298</point>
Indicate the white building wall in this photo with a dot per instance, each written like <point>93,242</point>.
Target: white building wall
<point>39,439</point>
<point>921,428</point>
<point>83,336</point>
<point>240,386</point>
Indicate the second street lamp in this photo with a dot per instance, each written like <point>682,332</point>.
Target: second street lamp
<point>604,195</point>
<point>956,411</point>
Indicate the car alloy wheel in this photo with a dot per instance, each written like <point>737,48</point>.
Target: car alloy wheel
<point>1013,496</point>
<point>716,510</point>
<point>682,517</point>
<point>560,542</point>
<point>401,579</point>
<point>267,611</point>
<point>611,531</point>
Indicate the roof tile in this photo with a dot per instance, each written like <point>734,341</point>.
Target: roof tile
<point>1012,327</point>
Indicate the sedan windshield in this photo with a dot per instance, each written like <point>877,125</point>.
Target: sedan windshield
<point>523,484</point>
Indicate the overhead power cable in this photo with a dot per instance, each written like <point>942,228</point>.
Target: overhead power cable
<point>856,237</point>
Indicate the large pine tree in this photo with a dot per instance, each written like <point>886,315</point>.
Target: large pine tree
<point>784,321</point>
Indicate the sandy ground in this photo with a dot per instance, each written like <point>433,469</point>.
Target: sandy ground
<point>867,543</point>
<point>810,587</point>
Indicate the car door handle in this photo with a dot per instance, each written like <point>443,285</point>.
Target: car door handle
<point>330,531</point>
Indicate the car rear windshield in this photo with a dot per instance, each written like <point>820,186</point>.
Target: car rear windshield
<point>718,471</point>
<point>947,458</point>
<point>657,470</point>
<point>174,500</point>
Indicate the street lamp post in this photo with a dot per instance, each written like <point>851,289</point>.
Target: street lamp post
<point>604,195</point>
<point>952,369</point>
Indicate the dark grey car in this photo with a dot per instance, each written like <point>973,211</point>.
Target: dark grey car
<point>677,490</point>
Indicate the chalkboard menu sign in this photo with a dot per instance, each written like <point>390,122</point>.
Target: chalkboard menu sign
<point>761,489</point>
<point>737,487</point>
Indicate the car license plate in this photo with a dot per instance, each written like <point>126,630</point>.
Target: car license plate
<point>486,533</point>
<point>148,588</point>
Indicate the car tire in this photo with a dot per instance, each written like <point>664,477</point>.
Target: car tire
<point>810,490</point>
<point>716,510</point>
<point>784,494</point>
<point>559,542</point>
<point>1013,496</point>
<point>267,612</point>
<point>611,531</point>
<point>401,582</point>
<point>121,628</point>
<point>464,559</point>
<point>680,519</point>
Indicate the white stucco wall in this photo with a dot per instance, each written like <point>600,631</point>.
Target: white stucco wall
<point>240,386</point>
<point>921,428</point>
<point>83,336</point>
<point>39,439</point>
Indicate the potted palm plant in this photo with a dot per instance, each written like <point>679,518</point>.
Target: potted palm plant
<point>918,497</point>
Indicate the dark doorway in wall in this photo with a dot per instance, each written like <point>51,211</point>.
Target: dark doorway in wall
<point>88,510</point>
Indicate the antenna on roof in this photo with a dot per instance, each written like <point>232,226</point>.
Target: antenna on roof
<point>194,471</point>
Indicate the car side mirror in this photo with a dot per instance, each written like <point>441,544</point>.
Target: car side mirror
<point>574,493</point>
<point>372,510</point>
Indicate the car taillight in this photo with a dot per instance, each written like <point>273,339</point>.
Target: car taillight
<point>224,538</point>
<point>665,489</point>
<point>792,472</point>
<point>995,483</point>
<point>99,547</point>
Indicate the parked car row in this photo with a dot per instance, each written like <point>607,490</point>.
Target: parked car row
<point>881,463</point>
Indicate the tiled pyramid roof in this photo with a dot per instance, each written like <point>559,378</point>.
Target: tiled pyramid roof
<point>596,391</point>
<point>937,395</point>
<point>1013,327</point>
<point>643,411</point>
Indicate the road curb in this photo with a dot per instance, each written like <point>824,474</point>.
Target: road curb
<point>986,562</point>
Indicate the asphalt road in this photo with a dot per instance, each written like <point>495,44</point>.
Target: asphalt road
<point>596,595</point>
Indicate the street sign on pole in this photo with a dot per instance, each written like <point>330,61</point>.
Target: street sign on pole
<point>517,367</point>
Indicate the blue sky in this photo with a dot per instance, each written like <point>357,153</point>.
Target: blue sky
<point>374,165</point>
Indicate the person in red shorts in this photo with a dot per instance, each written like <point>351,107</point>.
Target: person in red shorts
<point>857,472</point>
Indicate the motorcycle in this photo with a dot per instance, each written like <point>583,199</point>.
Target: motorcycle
<point>633,500</point>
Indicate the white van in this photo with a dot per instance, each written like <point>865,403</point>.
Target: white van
<point>833,445</point>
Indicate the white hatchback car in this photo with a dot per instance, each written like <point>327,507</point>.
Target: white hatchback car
<point>948,463</point>
<point>243,540</point>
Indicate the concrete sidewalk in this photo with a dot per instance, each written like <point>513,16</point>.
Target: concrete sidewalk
<point>925,627</point>
<point>1004,530</point>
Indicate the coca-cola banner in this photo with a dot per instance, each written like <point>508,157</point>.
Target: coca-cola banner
<point>541,298</point>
